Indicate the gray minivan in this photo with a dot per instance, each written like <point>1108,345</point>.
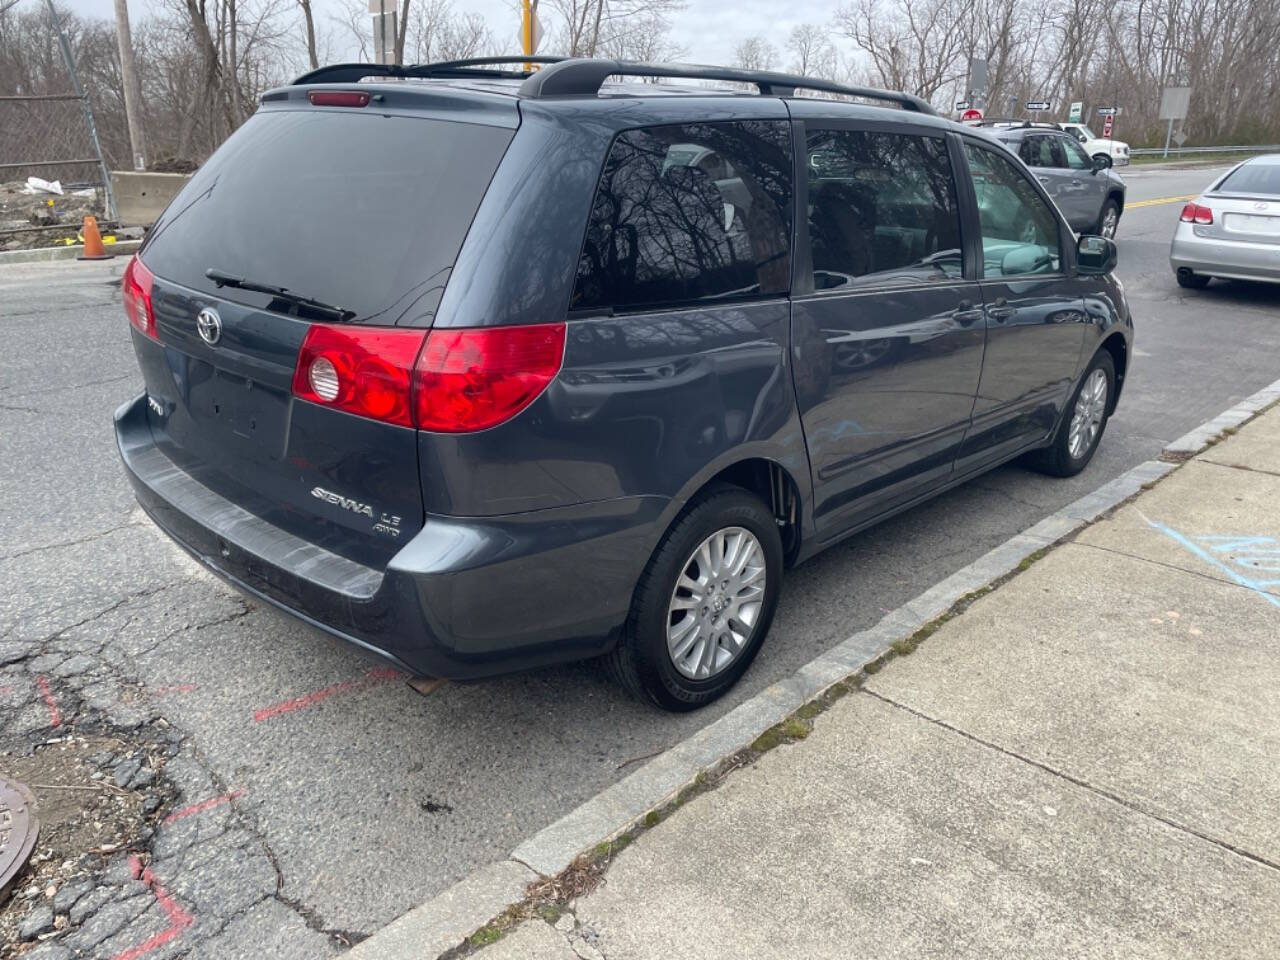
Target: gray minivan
<point>483,368</point>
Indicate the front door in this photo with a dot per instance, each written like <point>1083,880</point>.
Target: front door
<point>887,328</point>
<point>1034,306</point>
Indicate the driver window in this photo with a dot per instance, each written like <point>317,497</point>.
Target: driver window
<point>1019,231</point>
<point>882,208</point>
<point>1077,159</point>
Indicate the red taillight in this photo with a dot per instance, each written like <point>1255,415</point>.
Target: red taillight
<point>463,380</point>
<point>1194,213</point>
<point>367,371</point>
<point>469,380</point>
<point>338,98</point>
<point>136,290</point>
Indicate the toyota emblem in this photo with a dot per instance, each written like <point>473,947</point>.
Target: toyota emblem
<point>209,325</point>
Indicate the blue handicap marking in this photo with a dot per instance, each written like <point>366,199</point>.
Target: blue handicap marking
<point>1252,562</point>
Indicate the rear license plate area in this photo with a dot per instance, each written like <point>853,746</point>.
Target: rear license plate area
<point>1252,223</point>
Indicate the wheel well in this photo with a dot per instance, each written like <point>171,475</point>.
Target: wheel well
<point>776,487</point>
<point>1119,351</point>
<point>1118,197</point>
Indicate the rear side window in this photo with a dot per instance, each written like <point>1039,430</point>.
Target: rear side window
<point>1042,151</point>
<point>357,210</point>
<point>1252,178</point>
<point>689,213</point>
<point>882,206</point>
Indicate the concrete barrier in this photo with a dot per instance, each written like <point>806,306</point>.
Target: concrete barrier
<point>140,197</point>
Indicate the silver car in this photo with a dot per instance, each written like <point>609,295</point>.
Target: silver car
<point>1232,230</point>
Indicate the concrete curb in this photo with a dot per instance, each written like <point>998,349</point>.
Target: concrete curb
<point>45,254</point>
<point>445,922</point>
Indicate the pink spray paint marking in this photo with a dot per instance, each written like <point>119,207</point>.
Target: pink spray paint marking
<point>203,805</point>
<point>55,715</point>
<point>375,676</point>
<point>179,918</point>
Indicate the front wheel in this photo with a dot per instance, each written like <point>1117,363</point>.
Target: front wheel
<point>703,604</point>
<point>1083,422</point>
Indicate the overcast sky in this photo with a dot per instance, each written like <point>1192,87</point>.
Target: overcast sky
<point>708,29</point>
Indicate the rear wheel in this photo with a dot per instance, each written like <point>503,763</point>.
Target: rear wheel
<point>703,604</point>
<point>1083,422</point>
<point>1109,220</point>
<point>1192,281</point>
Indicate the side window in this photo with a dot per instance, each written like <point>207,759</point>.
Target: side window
<point>1019,231</point>
<point>881,206</point>
<point>688,213</point>
<point>1041,151</point>
<point>1077,159</point>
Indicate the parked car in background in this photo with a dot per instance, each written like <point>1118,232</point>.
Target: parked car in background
<point>1089,194</point>
<point>1096,146</point>
<point>597,359</point>
<point>1232,230</point>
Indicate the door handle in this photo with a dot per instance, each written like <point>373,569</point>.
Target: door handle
<point>965,314</point>
<point>1000,311</point>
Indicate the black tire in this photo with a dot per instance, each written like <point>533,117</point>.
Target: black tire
<point>1056,459</point>
<point>1108,208</point>
<point>641,662</point>
<point>1192,281</point>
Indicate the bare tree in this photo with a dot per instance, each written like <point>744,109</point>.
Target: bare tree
<point>310,21</point>
<point>812,51</point>
<point>592,27</point>
<point>755,53</point>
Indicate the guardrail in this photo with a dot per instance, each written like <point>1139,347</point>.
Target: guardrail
<point>1159,151</point>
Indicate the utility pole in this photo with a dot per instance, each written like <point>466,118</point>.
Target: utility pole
<point>132,88</point>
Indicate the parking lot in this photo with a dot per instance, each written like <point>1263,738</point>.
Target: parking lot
<point>309,794</point>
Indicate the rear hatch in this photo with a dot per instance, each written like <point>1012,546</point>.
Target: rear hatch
<point>1246,204</point>
<point>348,218</point>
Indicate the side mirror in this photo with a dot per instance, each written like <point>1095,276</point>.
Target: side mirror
<point>1101,162</point>
<point>1095,255</point>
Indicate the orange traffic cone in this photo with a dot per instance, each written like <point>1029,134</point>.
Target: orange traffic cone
<point>93,248</point>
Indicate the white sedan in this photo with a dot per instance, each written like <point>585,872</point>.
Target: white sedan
<point>1232,230</point>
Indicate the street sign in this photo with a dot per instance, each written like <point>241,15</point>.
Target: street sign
<point>962,104</point>
<point>1107,121</point>
<point>537,32</point>
<point>1077,111</point>
<point>1035,106</point>
<point>972,115</point>
<point>1179,138</point>
<point>1107,111</point>
<point>1174,102</point>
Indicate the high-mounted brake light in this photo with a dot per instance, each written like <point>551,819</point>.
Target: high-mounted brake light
<point>1195,213</point>
<point>338,98</point>
<point>448,381</point>
<point>136,291</point>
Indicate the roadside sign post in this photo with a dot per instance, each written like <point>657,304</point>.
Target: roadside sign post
<point>1077,111</point>
<point>1174,103</point>
<point>1036,106</point>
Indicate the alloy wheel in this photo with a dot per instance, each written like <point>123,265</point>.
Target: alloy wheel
<point>1086,419</point>
<point>716,603</point>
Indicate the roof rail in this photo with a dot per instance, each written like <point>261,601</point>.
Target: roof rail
<point>584,77</point>
<point>354,72</point>
<point>1020,122</point>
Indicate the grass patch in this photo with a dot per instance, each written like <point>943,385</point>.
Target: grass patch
<point>490,933</point>
<point>1026,564</point>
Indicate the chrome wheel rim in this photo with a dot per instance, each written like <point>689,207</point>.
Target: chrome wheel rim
<point>716,603</point>
<point>1109,223</point>
<point>1086,419</point>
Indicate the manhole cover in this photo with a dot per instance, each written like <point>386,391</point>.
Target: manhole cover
<point>18,829</point>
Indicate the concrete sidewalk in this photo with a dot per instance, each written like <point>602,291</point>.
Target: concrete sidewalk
<point>1084,763</point>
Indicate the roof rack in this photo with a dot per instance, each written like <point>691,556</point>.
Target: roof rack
<point>1019,122</point>
<point>475,67</point>
<point>584,77</point>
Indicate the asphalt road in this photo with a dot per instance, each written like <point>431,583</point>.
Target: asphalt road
<point>352,797</point>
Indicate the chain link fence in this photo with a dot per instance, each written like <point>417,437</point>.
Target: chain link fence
<point>50,138</point>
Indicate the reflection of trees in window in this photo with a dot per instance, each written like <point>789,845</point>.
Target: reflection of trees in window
<point>882,202</point>
<point>689,212</point>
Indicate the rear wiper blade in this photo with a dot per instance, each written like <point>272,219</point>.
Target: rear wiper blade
<point>222,279</point>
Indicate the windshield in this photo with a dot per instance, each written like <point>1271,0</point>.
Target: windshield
<point>1087,132</point>
<point>1254,177</point>
<point>360,211</point>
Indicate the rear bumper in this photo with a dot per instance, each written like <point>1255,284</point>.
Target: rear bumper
<point>465,598</point>
<point>1232,259</point>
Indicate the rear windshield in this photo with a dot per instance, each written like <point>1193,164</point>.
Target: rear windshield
<point>360,211</point>
<point>1252,178</point>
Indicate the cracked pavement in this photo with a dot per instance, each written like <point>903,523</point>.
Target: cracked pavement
<point>321,797</point>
